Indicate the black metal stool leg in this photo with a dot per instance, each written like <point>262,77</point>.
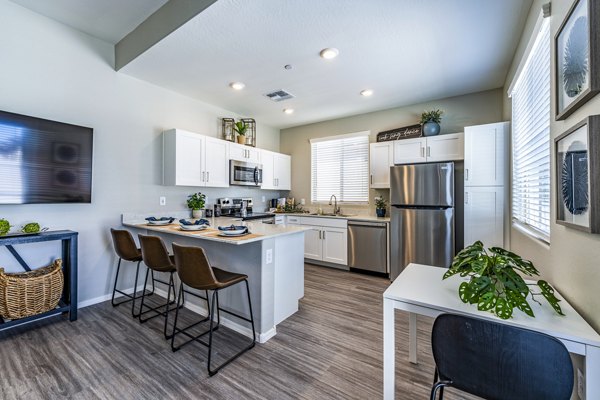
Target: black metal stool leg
<point>173,348</point>
<point>212,372</point>
<point>143,295</point>
<point>115,285</point>
<point>171,285</point>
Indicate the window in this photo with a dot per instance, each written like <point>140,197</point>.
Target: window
<point>340,166</point>
<point>531,139</point>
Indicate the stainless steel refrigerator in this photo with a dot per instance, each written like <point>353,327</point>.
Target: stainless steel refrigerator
<point>422,221</point>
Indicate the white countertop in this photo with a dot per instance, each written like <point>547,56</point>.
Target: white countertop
<point>266,231</point>
<point>352,217</point>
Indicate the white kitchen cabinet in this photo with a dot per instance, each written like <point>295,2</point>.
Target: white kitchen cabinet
<point>409,151</point>
<point>190,159</point>
<point>445,147</point>
<point>216,163</point>
<point>335,245</point>
<point>484,215</point>
<point>485,154</point>
<point>241,152</point>
<point>326,241</point>
<point>276,170</point>
<point>448,147</point>
<point>381,158</point>
<point>313,244</point>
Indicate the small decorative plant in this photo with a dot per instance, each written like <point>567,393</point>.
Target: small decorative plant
<point>494,281</point>
<point>195,201</point>
<point>4,227</point>
<point>432,116</point>
<point>240,128</point>
<point>380,205</point>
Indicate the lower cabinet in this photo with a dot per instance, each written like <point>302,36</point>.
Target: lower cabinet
<point>484,215</point>
<point>327,239</point>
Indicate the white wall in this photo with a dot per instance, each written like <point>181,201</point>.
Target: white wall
<point>460,111</point>
<point>570,263</point>
<point>51,71</point>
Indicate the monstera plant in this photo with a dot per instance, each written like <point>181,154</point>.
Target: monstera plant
<point>495,284</point>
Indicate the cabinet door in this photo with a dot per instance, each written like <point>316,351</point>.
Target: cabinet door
<point>485,154</point>
<point>409,151</point>
<point>189,148</point>
<point>313,245</point>
<point>381,158</point>
<point>216,163</point>
<point>484,215</point>
<point>446,147</point>
<point>268,172</point>
<point>335,245</point>
<point>282,171</point>
<point>253,154</point>
<point>238,152</point>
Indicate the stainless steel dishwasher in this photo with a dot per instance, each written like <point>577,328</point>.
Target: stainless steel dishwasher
<point>367,246</point>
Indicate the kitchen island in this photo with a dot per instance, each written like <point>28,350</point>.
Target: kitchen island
<point>272,256</point>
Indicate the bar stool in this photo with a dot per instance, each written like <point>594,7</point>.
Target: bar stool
<point>157,258</point>
<point>127,250</point>
<point>195,271</point>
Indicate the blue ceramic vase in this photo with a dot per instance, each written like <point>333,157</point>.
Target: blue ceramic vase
<point>431,128</point>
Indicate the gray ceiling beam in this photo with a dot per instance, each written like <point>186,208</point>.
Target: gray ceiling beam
<point>172,15</point>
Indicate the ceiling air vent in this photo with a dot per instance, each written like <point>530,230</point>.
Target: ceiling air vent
<point>279,95</point>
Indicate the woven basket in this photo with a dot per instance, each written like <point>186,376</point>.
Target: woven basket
<point>29,293</point>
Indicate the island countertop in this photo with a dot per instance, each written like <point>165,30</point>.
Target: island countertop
<point>258,230</point>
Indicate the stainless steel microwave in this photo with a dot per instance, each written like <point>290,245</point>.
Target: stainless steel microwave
<point>245,173</point>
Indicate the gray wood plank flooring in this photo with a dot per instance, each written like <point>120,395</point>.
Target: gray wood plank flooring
<point>330,349</point>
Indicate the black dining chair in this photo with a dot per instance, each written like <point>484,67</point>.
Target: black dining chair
<point>497,361</point>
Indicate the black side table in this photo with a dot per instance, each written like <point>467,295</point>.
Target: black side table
<point>68,301</point>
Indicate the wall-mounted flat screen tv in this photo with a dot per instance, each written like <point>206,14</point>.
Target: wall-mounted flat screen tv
<point>44,161</point>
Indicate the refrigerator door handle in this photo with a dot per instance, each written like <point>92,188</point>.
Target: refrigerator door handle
<point>466,174</point>
<point>466,197</point>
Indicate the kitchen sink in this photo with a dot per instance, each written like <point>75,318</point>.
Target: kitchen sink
<point>333,215</point>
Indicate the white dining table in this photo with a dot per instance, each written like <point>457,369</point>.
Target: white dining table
<point>420,290</point>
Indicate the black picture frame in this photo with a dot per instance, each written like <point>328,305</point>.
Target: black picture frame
<point>577,55</point>
<point>566,208</point>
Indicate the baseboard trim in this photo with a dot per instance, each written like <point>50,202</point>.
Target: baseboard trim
<point>225,320</point>
<point>101,299</point>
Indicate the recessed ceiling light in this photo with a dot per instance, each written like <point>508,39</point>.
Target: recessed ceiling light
<point>366,92</point>
<point>237,85</point>
<point>329,53</point>
<point>288,110</point>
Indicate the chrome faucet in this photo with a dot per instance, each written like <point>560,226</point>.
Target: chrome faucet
<point>336,210</point>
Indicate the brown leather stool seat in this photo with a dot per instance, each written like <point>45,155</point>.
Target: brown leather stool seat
<point>127,250</point>
<point>157,258</point>
<point>194,270</point>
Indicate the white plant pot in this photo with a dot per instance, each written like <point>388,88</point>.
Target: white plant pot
<point>197,213</point>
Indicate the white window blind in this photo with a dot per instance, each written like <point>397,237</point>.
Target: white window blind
<point>531,139</point>
<point>340,166</point>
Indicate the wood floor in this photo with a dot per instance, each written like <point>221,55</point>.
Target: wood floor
<point>330,349</point>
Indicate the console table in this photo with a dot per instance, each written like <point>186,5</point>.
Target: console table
<point>68,301</point>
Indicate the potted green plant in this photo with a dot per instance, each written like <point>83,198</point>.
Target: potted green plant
<point>195,202</point>
<point>240,128</point>
<point>430,120</point>
<point>380,206</point>
<point>495,283</point>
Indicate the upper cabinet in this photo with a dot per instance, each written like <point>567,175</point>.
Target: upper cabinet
<point>381,158</point>
<point>190,159</point>
<point>485,154</point>
<point>276,170</point>
<point>240,152</point>
<point>429,149</point>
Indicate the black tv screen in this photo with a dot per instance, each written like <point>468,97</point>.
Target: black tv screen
<point>44,161</point>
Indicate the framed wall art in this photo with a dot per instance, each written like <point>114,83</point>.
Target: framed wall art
<point>578,176</point>
<point>577,57</point>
